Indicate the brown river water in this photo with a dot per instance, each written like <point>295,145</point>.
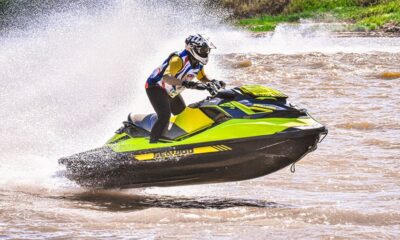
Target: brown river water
<point>57,99</point>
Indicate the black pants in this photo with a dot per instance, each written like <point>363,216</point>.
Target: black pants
<point>164,105</point>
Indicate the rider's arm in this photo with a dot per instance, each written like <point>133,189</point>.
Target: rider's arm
<point>203,77</point>
<point>174,66</point>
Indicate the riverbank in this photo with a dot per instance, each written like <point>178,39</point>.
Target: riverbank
<point>381,16</point>
<point>360,16</point>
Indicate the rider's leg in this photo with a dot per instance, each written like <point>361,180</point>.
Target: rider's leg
<point>161,104</point>
<point>177,105</point>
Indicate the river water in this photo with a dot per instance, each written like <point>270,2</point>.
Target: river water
<point>69,79</point>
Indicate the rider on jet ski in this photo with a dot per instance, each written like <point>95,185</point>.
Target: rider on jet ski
<point>165,84</point>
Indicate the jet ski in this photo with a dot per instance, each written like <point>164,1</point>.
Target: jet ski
<point>234,134</point>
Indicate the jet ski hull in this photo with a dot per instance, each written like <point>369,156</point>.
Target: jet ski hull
<point>229,160</point>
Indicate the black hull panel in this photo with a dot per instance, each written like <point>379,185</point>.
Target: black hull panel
<point>249,158</point>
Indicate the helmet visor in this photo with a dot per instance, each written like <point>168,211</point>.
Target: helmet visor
<point>203,50</point>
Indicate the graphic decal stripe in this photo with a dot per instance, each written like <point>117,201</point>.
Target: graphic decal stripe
<point>207,149</point>
<point>223,147</point>
<point>227,148</point>
<point>147,156</point>
<point>218,147</point>
<point>181,153</point>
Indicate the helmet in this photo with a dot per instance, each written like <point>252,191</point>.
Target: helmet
<point>199,47</point>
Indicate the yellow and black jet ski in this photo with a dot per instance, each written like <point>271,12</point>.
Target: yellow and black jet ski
<point>236,134</point>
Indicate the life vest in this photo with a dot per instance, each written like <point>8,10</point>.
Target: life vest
<point>187,73</point>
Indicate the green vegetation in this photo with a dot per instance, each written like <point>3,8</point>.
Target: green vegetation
<point>373,17</point>
<point>363,14</point>
<point>249,8</point>
<point>269,22</point>
<point>264,15</point>
<point>296,6</point>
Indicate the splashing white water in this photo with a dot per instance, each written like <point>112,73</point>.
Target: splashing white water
<point>67,83</point>
<point>302,38</point>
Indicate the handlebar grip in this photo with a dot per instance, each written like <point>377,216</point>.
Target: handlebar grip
<point>201,87</point>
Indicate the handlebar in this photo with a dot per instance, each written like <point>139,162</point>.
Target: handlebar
<point>212,88</point>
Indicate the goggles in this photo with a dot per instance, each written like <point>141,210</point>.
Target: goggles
<point>204,50</point>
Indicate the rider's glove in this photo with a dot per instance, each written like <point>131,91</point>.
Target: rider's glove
<point>218,84</point>
<point>189,84</point>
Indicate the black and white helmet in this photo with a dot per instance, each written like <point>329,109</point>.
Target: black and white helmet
<point>199,47</point>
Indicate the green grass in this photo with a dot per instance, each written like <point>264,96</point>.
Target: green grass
<point>371,17</point>
<point>248,8</point>
<point>268,23</point>
<point>297,6</point>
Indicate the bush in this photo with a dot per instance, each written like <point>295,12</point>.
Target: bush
<point>364,14</point>
<point>248,8</point>
<point>297,6</point>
